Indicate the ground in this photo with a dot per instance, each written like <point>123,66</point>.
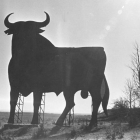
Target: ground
<point>106,130</point>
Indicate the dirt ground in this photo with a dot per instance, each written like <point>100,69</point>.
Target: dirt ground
<point>104,131</point>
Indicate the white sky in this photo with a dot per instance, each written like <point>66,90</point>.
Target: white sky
<point>113,24</point>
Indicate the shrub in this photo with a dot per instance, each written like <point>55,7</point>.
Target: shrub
<point>133,118</point>
<point>120,109</point>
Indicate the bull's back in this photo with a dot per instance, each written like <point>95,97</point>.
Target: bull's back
<point>82,50</point>
<point>94,56</point>
<point>78,62</point>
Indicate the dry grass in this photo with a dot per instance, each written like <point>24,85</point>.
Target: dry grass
<point>115,131</point>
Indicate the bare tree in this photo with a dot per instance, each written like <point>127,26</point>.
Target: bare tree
<point>132,100</point>
<point>130,93</point>
<point>135,67</point>
<point>127,107</point>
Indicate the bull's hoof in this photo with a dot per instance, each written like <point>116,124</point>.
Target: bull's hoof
<point>55,130</point>
<point>10,121</point>
<point>34,122</point>
<point>58,124</point>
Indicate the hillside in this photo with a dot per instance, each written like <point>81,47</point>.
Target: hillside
<point>106,129</point>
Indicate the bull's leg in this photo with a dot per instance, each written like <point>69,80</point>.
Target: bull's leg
<point>37,103</point>
<point>93,121</point>
<point>96,100</point>
<point>13,102</point>
<point>69,98</point>
<point>105,97</point>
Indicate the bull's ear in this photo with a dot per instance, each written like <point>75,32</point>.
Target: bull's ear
<point>9,31</point>
<point>40,31</point>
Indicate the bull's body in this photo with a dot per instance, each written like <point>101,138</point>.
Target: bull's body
<point>38,66</point>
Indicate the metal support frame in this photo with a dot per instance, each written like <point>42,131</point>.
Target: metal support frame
<point>87,121</point>
<point>41,110</point>
<point>19,109</point>
<point>69,120</point>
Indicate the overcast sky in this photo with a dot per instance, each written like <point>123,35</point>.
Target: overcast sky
<point>112,24</point>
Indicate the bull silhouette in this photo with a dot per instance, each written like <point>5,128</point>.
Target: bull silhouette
<point>38,66</point>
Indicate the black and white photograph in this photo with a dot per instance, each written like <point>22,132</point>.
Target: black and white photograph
<point>69,69</point>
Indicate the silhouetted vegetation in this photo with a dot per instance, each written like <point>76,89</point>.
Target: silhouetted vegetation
<point>123,113</point>
<point>120,109</point>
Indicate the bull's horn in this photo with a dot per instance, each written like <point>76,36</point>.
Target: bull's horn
<point>44,23</point>
<point>7,23</point>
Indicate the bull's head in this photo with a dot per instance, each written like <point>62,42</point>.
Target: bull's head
<point>30,27</point>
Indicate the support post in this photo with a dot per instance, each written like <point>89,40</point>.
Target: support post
<point>19,109</point>
<point>87,121</point>
<point>41,110</point>
<point>69,120</point>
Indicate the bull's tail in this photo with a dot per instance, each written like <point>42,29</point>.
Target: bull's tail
<point>105,95</point>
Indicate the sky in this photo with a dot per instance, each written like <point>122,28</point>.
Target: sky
<point>112,24</point>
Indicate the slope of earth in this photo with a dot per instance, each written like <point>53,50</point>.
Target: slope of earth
<point>106,130</point>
